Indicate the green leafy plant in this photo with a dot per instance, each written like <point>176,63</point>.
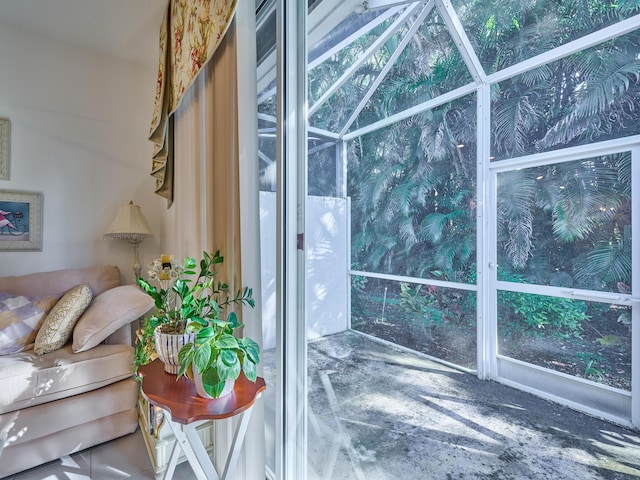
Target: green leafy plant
<point>217,354</point>
<point>531,314</point>
<point>593,369</point>
<point>425,305</point>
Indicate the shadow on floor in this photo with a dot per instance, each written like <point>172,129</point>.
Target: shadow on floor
<point>377,413</point>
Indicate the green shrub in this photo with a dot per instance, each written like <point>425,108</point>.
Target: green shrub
<point>529,314</point>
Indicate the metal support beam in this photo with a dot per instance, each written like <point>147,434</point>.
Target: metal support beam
<point>291,362</point>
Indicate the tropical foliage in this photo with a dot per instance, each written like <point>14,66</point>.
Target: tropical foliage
<point>567,224</point>
<point>418,175</point>
<point>413,183</point>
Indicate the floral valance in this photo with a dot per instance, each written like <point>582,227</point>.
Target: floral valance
<point>190,33</point>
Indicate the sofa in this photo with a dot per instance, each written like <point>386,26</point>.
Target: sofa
<point>57,399</point>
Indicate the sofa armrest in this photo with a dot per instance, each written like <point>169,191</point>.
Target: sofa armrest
<point>120,336</point>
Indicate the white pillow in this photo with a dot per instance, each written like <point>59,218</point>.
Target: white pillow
<point>107,313</point>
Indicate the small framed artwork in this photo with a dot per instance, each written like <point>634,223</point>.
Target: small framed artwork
<point>20,220</point>
<point>5,139</point>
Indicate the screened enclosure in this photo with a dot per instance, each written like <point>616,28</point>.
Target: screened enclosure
<point>487,157</point>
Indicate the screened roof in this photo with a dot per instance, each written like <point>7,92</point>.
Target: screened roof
<point>383,61</point>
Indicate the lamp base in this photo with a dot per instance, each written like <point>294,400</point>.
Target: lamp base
<point>137,268</point>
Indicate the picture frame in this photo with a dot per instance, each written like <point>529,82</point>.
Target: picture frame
<point>5,141</point>
<point>20,220</point>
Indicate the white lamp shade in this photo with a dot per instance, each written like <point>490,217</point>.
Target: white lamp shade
<point>129,224</point>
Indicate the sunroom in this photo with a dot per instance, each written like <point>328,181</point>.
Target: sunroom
<point>467,185</point>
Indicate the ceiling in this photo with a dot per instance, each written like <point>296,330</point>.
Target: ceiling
<point>126,29</point>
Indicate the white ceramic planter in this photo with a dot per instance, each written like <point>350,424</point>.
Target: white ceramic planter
<point>197,380</point>
<point>168,346</point>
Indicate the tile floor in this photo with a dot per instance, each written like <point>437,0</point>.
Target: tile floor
<point>123,458</point>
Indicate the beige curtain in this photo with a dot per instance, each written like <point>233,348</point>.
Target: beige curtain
<point>208,212</point>
<point>206,197</point>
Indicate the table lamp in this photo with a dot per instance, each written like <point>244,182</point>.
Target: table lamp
<point>130,225</point>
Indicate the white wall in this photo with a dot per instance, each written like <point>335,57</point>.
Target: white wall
<point>326,281</point>
<point>79,123</point>
<point>268,254</point>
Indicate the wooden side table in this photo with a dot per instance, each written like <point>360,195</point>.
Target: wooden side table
<point>182,406</point>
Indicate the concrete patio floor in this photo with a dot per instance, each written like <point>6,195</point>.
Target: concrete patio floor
<point>380,413</point>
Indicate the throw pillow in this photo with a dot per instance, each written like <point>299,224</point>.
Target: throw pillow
<point>58,326</point>
<point>107,313</point>
<point>20,319</point>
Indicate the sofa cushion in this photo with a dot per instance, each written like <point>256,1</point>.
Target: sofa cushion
<point>107,313</point>
<point>50,418</point>
<point>66,441</point>
<point>57,328</point>
<point>20,319</point>
<point>28,379</point>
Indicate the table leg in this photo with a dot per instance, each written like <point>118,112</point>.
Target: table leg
<point>173,460</point>
<point>188,441</point>
<point>200,453</point>
<point>236,444</point>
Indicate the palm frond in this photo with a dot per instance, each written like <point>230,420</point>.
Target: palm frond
<point>432,227</point>
<point>381,182</point>
<point>609,263</point>
<point>519,245</point>
<point>624,172</point>
<point>516,192</point>
<point>613,79</point>
<point>402,198</point>
<point>407,233</point>
<point>444,255</point>
<point>516,196</point>
<point>589,199</point>
<point>606,79</point>
<point>466,249</point>
<point>515,117</point>
<point>374,257</point>
<point>628,7</point>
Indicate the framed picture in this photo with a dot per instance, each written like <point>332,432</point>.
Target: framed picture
<point>20,220</point>
<point>5,139</point>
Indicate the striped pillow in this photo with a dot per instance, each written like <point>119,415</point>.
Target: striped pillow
<point>20,319</point>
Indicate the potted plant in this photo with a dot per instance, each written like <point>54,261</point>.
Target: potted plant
<point>216,356</point>
<point>186,302</point>
<point>165,319</point>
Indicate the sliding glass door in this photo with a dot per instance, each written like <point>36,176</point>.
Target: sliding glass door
<point>455,180</point>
